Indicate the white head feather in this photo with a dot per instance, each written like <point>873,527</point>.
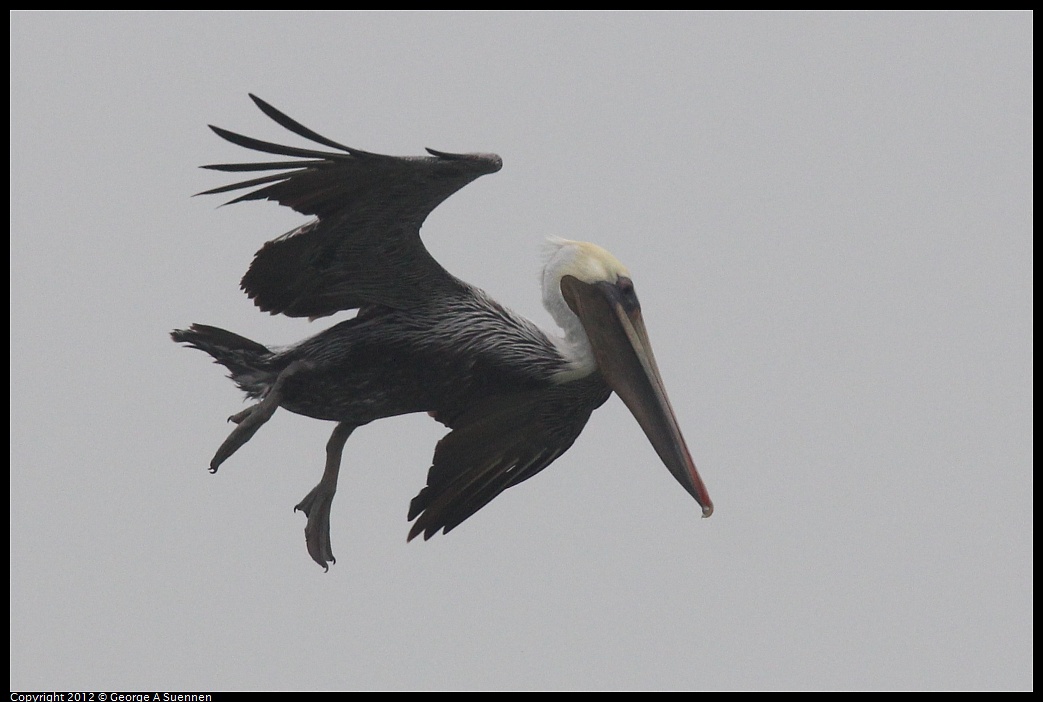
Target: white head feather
<point>586,262</point>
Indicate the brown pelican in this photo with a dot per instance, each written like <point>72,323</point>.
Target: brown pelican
<point>514,397</point>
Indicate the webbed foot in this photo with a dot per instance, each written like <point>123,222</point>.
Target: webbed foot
<point>318,503</point>
<point>316,506</point>
<point>253,417</point>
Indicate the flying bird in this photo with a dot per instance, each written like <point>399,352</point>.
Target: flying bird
<point>514,397</point>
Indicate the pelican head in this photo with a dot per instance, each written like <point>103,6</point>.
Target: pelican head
<point>591,296</point>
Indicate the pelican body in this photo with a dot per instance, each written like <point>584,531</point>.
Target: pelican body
<point>514,397</point>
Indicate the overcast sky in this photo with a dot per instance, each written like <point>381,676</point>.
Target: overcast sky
<point>828,219</point>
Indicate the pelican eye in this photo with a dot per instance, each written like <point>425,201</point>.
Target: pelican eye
<point>627,295</point>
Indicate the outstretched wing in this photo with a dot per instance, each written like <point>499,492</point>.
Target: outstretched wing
<point>499,443</point>
<point>364,248</point>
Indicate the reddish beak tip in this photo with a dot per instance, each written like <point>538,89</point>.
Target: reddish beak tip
<point>707,511</point>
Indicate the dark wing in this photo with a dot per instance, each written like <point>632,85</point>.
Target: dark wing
<point>364,248</point>
<point>499,443</point>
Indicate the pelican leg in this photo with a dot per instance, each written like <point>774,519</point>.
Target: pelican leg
<point>316,504</point>
<point>253,417</point>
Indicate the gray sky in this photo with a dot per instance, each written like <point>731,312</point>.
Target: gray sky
<point>828,219</point>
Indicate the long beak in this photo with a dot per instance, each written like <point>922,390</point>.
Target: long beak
<point>611,316</point>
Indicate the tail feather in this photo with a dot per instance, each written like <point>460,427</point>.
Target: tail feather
<point>245,359</point>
